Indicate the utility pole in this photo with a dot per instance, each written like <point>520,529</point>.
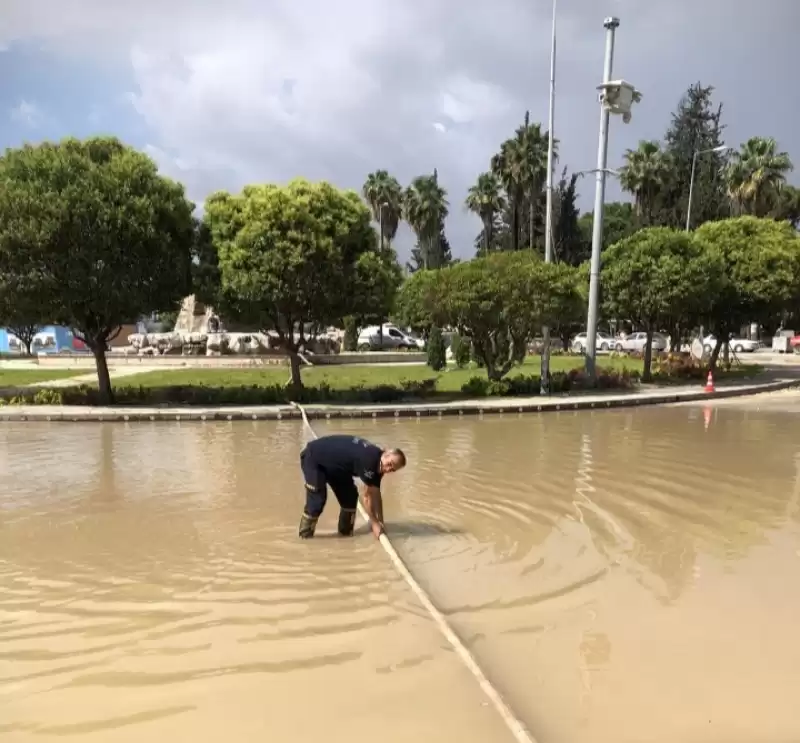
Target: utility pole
<point>548,230</point>
<point>611,25</point>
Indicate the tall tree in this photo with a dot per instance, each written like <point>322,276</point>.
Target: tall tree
<point>645,175</point>
<point>756,174</point>
<point>761,260</point>
<point>276,277</point>
<point>500,302</point>
<point>439,257</point>
<point>569,245</point>
<point>787,209</point>
<point>385,198</point>
<point>521,167</point>
<point>696,128</point>
<point>533,144</point>
<point>426,207</point>
<point>486,200</point>
<point>619,222</point>
<point>108,237</point>
<point>509,167</point>
<point>655,277</point>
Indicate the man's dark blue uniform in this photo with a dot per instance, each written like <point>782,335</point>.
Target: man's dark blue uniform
<point>334,461</point>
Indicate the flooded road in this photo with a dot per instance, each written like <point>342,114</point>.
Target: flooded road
<point>620,576</point>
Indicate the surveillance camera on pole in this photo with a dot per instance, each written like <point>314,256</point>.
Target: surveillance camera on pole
<point>616,97</point>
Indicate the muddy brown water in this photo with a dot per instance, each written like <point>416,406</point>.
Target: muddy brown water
<point>620,576</point>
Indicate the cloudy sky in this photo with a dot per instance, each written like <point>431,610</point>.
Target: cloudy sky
<point>222,94</point>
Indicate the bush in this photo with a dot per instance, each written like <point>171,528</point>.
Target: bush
<point>350,340</point>
<point>462,350</point>
<point>204,395</point>
<point>437,353</point>
<point>560,383</point>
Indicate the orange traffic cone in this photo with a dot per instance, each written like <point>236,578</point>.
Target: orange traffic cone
<point>710,382</point>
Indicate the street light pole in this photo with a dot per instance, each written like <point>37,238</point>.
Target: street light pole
<point>721,148</point>
<point>611,25</point>
<point>548,230</point>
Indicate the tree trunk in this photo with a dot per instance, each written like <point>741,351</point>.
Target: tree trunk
<point>712,362</point>
<point>294,365</point>
<point>675,341</point>
<point>515,225</point>
<point>530,221</point>
<point>647,374</point>
<point>103,377</point>
<point>487,234</point>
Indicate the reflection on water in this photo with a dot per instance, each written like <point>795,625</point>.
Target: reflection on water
<point>621,576</point>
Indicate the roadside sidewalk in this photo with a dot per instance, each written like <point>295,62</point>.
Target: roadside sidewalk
<point>599,401</point>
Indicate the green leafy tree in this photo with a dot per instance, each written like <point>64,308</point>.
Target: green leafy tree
<point>619,222</point>
<point>377,280</point>
<point>761,267</point>
<point>756,175</point>
<point>462,350</point>
<point>292,257</point>
<point>25,299</point>
<point>696,127</point>
<point>436,350</point>
<point>105,237</point>
<point>425,207</point>
<point>657,275</point>
<point>413,307</point>
<point>500,302</point>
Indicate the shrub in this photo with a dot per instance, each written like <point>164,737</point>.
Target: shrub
<point>560,383</point>
<point>462,350</point>
<point>437,353</point>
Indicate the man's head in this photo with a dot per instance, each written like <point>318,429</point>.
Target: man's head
<point>392,460</point>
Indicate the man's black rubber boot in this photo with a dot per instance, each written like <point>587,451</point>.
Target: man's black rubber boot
<point>347,522</point>
<point>307,526</point>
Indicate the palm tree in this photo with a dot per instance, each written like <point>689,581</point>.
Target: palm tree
<point>425,207</point>
<point>645,174</point>
<point>756,176</point>
<point>533,146</point>
<point>521,166</point>
<point>486,200</point>
<point>384,195</point>
<point>508,167</point>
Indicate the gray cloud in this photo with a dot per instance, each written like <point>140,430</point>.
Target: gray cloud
<point>253,91</point>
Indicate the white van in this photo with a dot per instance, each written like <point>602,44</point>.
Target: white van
<point>369,339</point>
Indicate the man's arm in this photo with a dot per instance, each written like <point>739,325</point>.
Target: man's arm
<point>373,503</point>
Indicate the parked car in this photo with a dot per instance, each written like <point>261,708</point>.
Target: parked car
<point>737,345</point>
<point>636,342</point>
<point>603,342</point>
<point>393,338</point>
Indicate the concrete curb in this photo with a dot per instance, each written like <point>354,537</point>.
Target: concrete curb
<point>80,414</point>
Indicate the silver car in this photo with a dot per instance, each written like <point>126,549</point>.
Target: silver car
<point>636,342</point>
<point>603,342</point>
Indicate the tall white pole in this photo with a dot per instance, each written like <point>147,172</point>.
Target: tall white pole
<point>691,193</point>
<point>548,229</point>
<point>611,25</point>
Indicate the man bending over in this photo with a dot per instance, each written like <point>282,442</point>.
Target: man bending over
<point>335,461</point>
